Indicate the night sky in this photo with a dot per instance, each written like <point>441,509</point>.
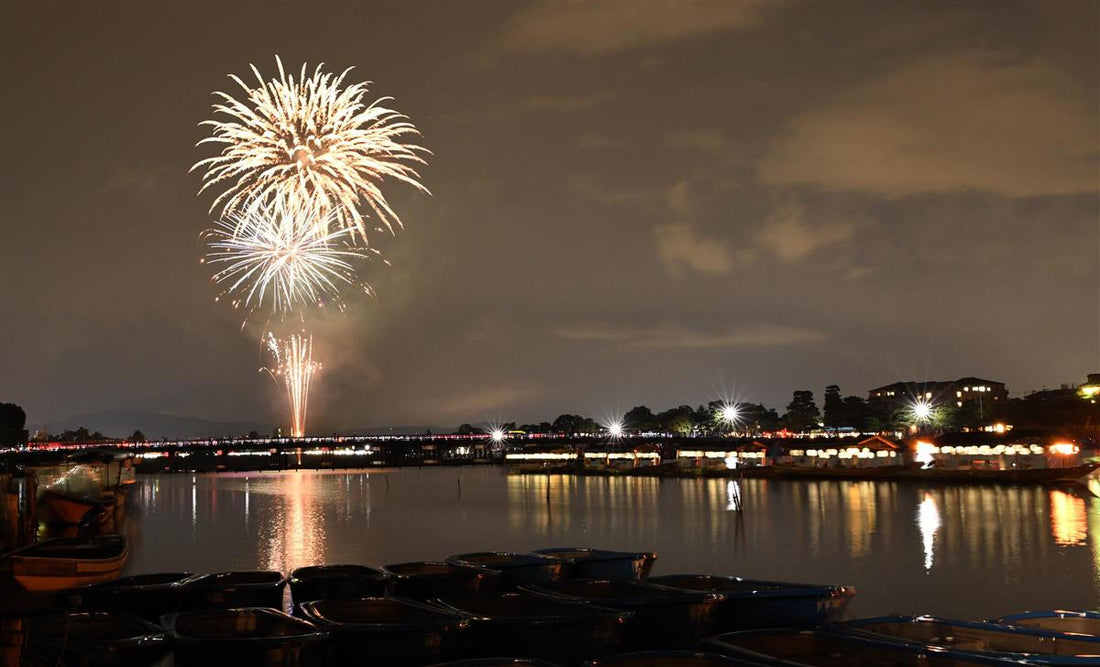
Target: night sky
<point>632,203</point>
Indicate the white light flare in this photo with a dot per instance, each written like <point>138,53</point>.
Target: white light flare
<point>928,521</point>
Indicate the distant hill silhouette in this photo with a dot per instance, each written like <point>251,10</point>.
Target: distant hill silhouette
<point>155,426</point>
<point>121,423</point>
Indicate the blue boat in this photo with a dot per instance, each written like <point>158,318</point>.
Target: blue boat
<point>515,569</point>
<point>145,595</point>
<point>1033,645</point>
<point>336,582</point>
<point>388,631</point>
<point>93,640</point>
<point>242,637</point>
<point>821,648</point>
<point>669,659</point>
<point>663,617</point>
<point>585,563</point>
<point>752,603</point>
<point>1059,620</point>
<point>425,580</point>
<point>532,625</point>
<point>496,662</point>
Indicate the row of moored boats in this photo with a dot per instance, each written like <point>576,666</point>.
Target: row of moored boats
<point>553,606</point>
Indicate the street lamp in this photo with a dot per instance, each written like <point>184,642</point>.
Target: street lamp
<point>615,429</point>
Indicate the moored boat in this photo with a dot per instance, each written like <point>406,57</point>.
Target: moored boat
<point>496,662</point>
<point>422,580</point>
<point>664,617</point>
<point>62,563</point>
<point>586,563</point>
<point>532,625</point>
<point>515,569</point>
<point>668,659</point>
<point>1032,645</point>
<point>224,590</point>
<point>387,631</point>
<point>810,648</point>
<point>73,509</point>
<point>751,603</point>
<point>336,582</point>
<point>1079,622</point>
<point>145,595</point>
<point>93,639</point>
<point>249,636</point>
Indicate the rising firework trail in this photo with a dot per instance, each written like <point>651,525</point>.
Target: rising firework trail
<point>294,368</point>
<point>282,255</point>
<point>310,138</point>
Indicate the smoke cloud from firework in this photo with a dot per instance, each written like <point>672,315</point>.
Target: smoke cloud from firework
<point>300,170</point>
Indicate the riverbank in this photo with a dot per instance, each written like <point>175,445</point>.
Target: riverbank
<point>912,473</point>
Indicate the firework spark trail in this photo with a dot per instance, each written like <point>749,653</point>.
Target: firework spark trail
<point>294,368</point>
<point>310,138</point>
<point>276,254</point>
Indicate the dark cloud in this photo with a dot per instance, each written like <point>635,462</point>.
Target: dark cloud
<point>605,27</point>
<point>632,203</point>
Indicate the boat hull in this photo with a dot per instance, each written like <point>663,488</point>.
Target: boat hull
<point>765,604</point>
<point>65,563</point>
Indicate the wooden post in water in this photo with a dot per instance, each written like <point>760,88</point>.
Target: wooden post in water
<point>30,508</point>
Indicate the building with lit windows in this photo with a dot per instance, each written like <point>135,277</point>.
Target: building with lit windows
<point>938,392</point>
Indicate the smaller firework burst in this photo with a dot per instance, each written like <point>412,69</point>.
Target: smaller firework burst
<point>279,256</point>
<point>294,368</point>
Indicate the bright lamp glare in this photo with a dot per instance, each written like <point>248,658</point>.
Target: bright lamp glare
<point>498,435</point>
<point>730,413</point>
<point>922,410</point>
<point>615,429</point>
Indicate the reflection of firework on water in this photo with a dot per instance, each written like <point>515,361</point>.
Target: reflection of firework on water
<point>294,367</point>
<point>310,138</point>
<point>276,254</point>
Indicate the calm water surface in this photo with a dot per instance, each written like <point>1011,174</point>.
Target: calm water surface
<point>973,552</point>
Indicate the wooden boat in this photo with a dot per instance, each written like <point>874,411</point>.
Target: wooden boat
<point>515,569</point>
<point>664,617</point>
<point>73,509</point>
<point>249,636</point>
<point>751,603</point>
<point>145,595</point>
<point>389,631</point>
<point>260,588</point>
<point>1078,622</point>
<point>93,639</point>
<point>805,648</point>
<point>336,582</point>
<point>978,638</point>
<point>423,580</point>
<point>67,562</point>
<point>496,662</point>
<point>585,563</point>
<point>668,659</point>
<point>526,624</point>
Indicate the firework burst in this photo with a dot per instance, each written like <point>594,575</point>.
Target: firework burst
<point>310,138</point>
<point>294,368</point>
<point>283,255</point>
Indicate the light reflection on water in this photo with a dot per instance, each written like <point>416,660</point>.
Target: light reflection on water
<point>906,548</point>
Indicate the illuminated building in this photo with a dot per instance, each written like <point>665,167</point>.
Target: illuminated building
<point>960,392</point>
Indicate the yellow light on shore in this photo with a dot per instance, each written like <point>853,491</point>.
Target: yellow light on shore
<point>1064,449</point>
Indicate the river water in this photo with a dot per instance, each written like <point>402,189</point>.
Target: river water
<point>959,551</point>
